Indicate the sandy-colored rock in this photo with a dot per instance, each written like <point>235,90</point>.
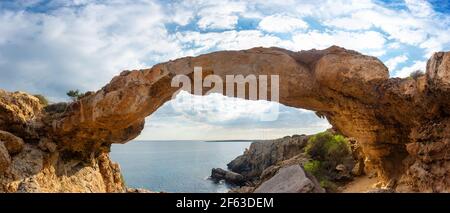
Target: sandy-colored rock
<point>29,185</point>
<point>47,145</point>
<point>18,114</point>
<point>13,143</point>
<point>31,161</point>
<point>5,159</point>
<point>353,91</point>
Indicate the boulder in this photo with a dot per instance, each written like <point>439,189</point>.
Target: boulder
<point>358,169</point>
<point>229,177</point>
<point>13,143</point>
<point>291,179</point>
<point>46,144</point>
<point>342,173</point>
<point>29,185</point>
<point>18,111</point>
<point>5,159</point>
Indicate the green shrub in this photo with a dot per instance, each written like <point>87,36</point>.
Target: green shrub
<point>328,185</point>
<point>327,151</point>
<point>327,147</point>
<point>313,167</point>
<point>42,99</point>
<point>75,94</point>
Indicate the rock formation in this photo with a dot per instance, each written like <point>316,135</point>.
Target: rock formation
<point>218,174</point>
<point>265,159</point>
<point>34,162</point>
<point>290,179</point>
<point>263,154</point>
<point>403,125</point>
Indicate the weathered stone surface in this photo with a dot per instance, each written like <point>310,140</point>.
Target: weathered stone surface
<point>13,143</point>
<point>29,185</point>
<point>25,131</point>
<point>47,145</point>
<point>18,114</point>
<point>263,154</point>
<point>351,90</point>
<point>5,159</point>
<point>291,179</point>
<point>34,170</point>
<point>228,176</point>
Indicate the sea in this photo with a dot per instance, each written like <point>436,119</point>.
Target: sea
<point>175,166</point>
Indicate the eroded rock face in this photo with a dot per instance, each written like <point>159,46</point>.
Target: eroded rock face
<point>12,143</point>
<point>401,124</point>
<point>35,163</point>
<point>5,159</point>
<point>263,154</point>
<point>218,174</point>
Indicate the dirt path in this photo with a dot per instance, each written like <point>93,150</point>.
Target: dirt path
<point>360,184</point>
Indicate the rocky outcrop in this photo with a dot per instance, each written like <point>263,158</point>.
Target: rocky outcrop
<point>34,162</point>
<point>218,174</point>
<point>401,124</point>
<point>12,143</point>
<point>5,159</point>
<point>291,179</point>
<point>268,157</point>
<point>262,154</point>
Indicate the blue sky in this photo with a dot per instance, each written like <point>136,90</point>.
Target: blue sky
<point>51,46</point>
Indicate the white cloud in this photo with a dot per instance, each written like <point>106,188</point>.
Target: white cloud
<point>393,45</point>
<point>332,9</point>
<point>180,14</point>
<point>80,47</point>
<point>365,42</point>
<point>392,63</point>
<point>215,116</point>
<point>227,40</point>
<point>216,108</point>
<point>349,23</point>
<point>281,24</point>
<point>420,8</point>
<point>218,21</point>
<point>220,15</point>
<point>406,71</point>
<point>418,26</point>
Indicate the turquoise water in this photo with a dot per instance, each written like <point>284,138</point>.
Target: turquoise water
<point>175,166</point>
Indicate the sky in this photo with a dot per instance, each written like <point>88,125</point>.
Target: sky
<point>51,46</point>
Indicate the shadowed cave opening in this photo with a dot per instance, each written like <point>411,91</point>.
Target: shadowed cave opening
<point>189,135</point>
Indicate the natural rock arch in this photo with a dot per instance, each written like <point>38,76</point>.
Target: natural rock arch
<point>402,124</point>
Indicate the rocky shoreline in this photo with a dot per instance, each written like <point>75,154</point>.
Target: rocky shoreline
<point>278,166</point>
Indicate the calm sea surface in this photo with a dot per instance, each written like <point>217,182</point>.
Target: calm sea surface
<point>175,166</point>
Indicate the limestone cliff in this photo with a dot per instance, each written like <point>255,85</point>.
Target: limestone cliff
<point>264,159</point>
<point>403,125</point>
<point>34,162</point>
